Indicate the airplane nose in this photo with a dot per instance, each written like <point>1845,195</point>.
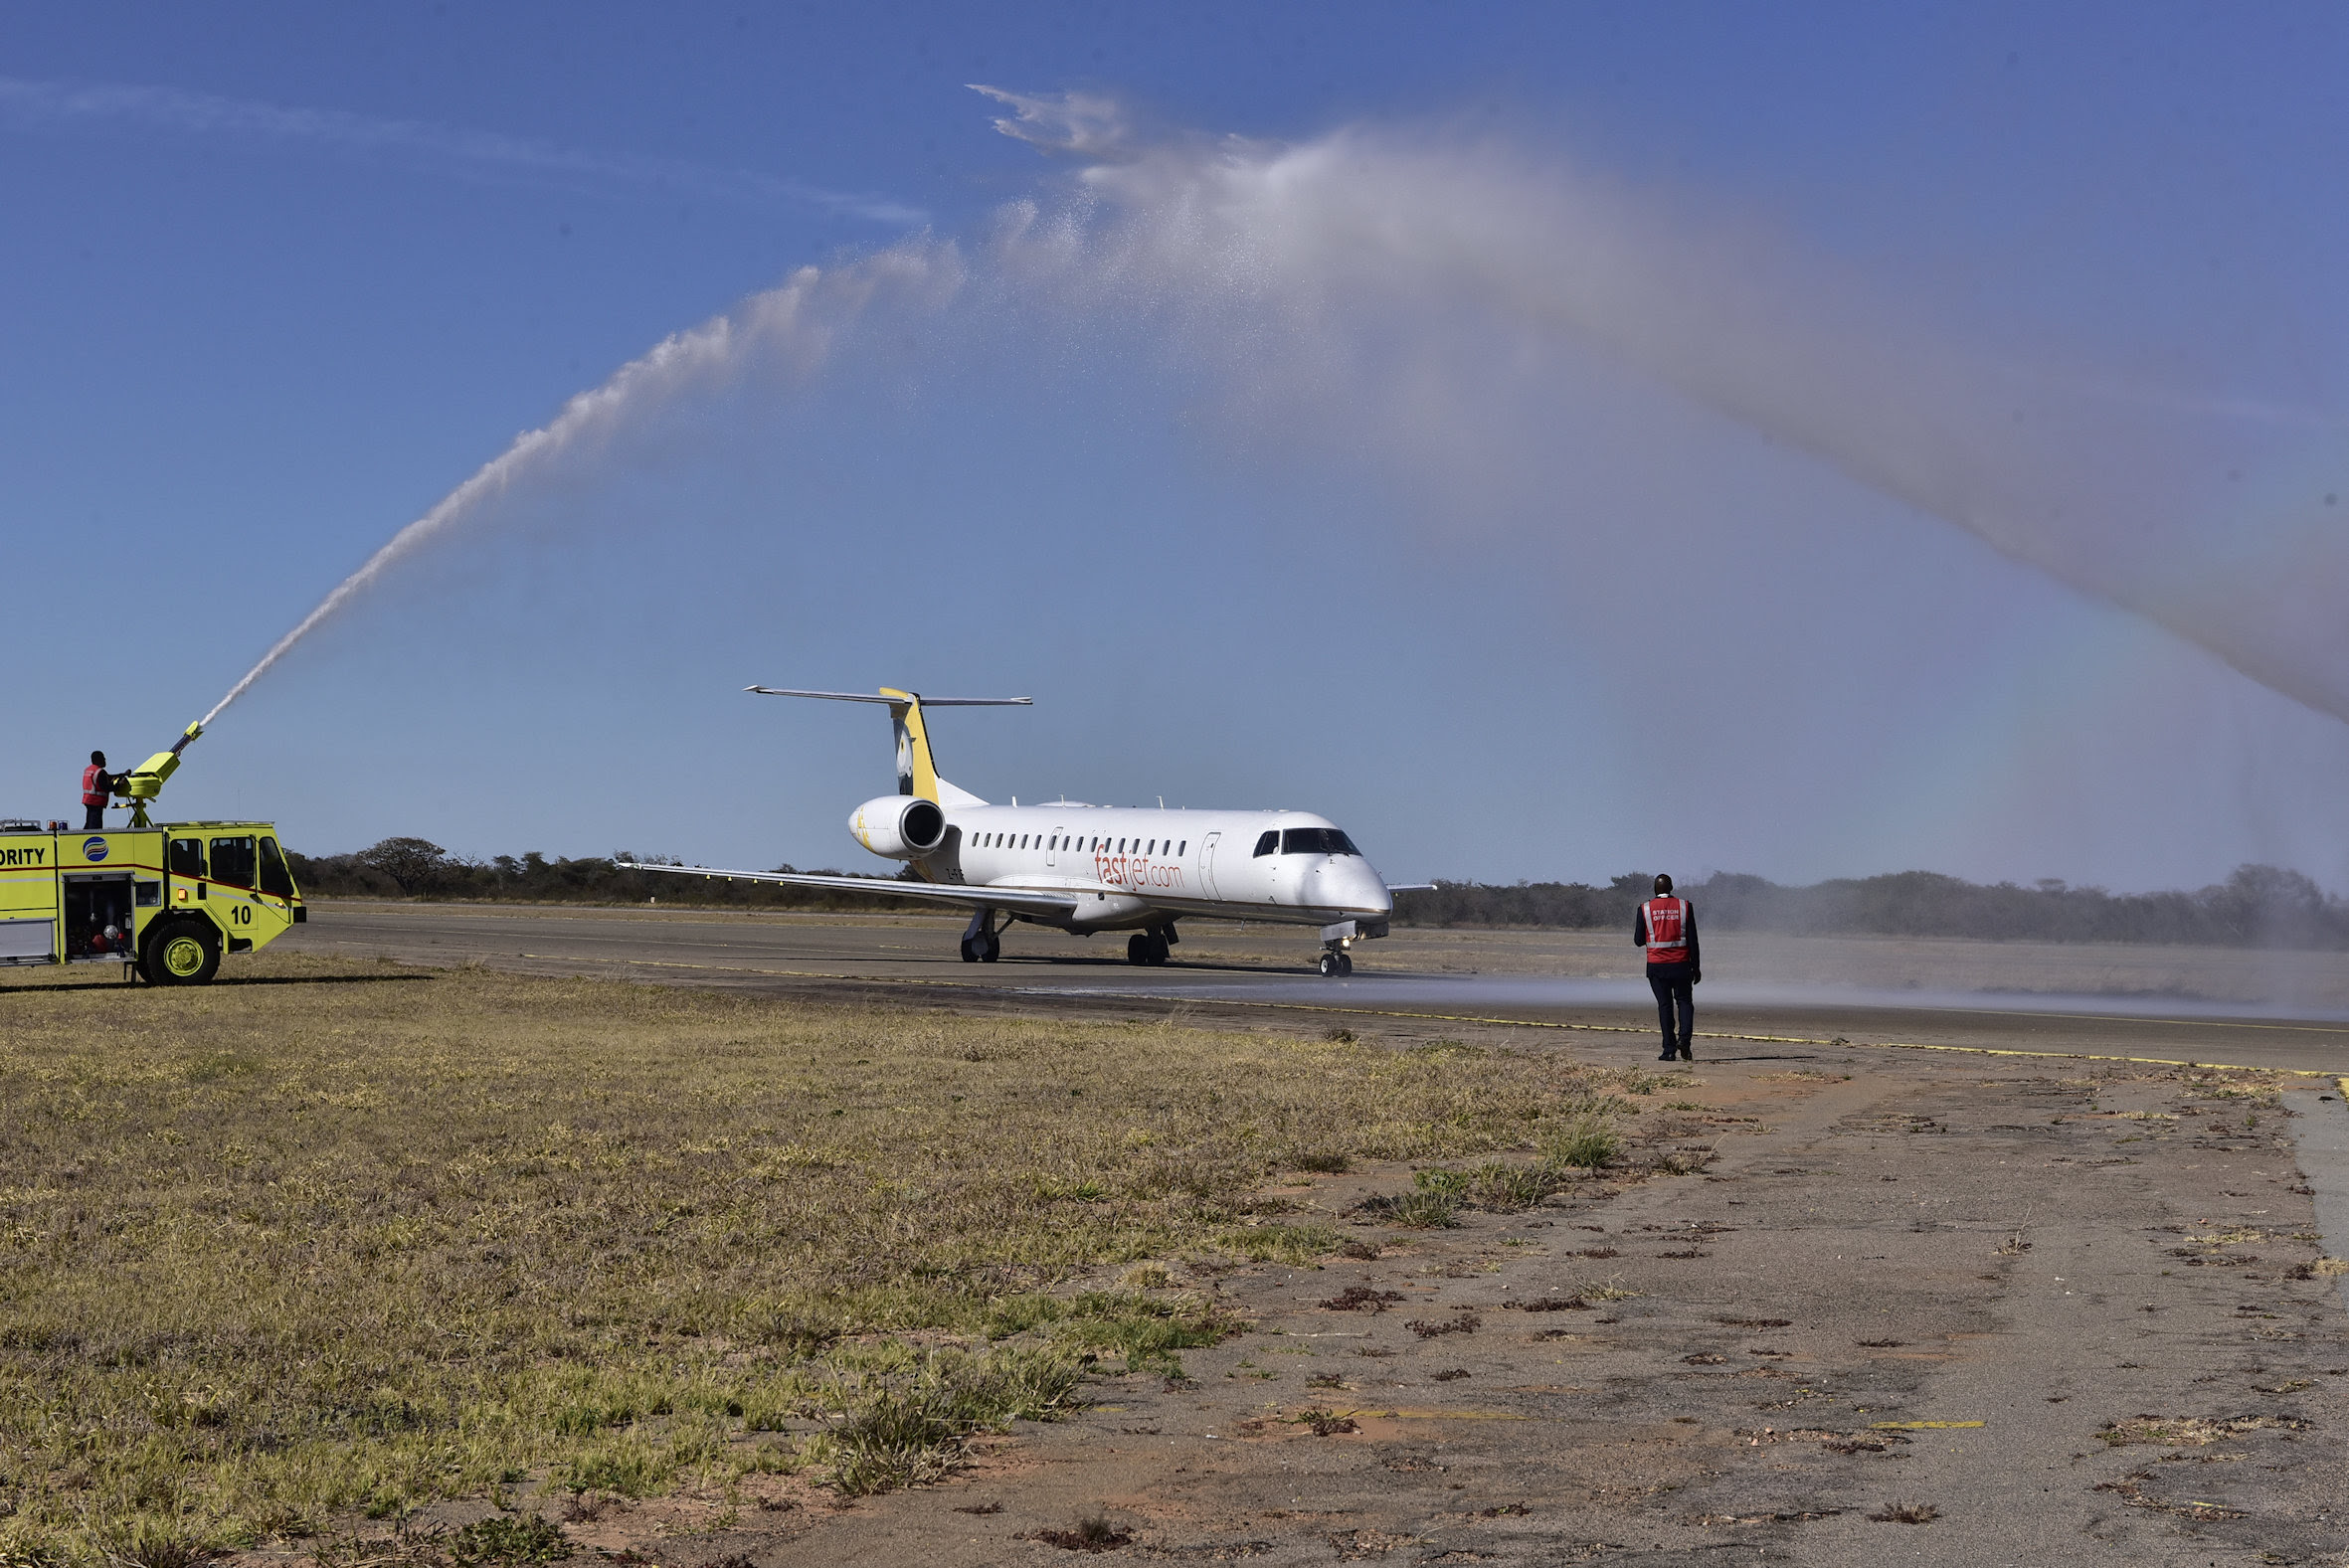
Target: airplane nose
<point>1367,890</point>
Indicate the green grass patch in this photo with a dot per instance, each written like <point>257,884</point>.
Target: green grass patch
<point>1421,1209</point>
<point>901,1434</point>
<point>276,1256</point>
<point>1589,1141</point>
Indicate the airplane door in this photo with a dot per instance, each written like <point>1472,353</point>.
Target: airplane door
<point>1052,847</point>
<point>1208,865</point>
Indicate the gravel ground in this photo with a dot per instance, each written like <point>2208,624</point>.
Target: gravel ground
<point>2023,1309</point>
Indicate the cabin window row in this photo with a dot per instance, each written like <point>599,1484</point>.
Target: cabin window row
<point>1080,844</point>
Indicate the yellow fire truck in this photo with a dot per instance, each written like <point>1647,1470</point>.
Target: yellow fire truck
<point>164,901</point>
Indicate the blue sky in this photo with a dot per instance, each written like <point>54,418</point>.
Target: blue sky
<point>1581,439</point>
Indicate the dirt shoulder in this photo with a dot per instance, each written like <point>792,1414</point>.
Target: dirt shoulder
<point>2067,1314</point>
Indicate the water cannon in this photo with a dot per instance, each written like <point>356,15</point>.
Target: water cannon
<point>145,782</point>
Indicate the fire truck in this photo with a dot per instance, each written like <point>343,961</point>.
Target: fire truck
<point>164,901</point>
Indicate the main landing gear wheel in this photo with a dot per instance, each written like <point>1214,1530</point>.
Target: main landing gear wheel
<point>982,950</point>
<point>1336,963</point>
<point>1147,946</point>
<point>183,952</point>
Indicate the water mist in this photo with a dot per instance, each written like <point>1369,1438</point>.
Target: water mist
<point>1266,267</point>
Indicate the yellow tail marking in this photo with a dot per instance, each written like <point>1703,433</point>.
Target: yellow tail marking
<point>913,742</point>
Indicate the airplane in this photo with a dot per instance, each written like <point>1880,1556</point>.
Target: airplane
<point>1087,868</point>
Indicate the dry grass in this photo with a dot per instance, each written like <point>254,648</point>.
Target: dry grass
<point>358,1237</point>
<point>2187,1431</point>
<point>1092,1534</point>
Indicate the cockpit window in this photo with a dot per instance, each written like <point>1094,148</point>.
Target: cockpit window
<point>1316,842</point>
<point>1270,843</point>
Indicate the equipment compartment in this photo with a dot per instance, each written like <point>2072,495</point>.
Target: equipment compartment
<point>98,918</point>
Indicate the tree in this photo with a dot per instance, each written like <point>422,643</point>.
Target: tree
<point>418,865</point>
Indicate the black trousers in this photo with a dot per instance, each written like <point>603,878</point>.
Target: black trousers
<point>1675,992</point>
<point>93,820</point>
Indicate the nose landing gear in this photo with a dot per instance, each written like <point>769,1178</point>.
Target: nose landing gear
<point>1335,940</point>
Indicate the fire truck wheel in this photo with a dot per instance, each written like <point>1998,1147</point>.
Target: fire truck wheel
<point>183,952</point>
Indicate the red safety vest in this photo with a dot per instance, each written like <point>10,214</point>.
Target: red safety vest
<point>1667,930</point>
<point>93,794</point>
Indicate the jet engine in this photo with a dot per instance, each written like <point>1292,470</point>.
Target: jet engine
<point>900,827</point>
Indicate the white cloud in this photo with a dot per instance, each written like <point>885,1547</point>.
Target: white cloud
<point>480,152</point>
<point>1076,124</point>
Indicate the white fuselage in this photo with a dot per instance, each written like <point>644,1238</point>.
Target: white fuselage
<point>1136,867</point>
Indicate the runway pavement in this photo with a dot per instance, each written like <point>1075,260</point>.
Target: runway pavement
<point>1768,995</point>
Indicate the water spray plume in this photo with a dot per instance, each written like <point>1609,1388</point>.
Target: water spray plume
<point>790,323</point>
<point>1282,271</point>
<point>583,413</point>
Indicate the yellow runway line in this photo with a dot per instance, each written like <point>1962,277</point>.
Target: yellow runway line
<point>732,968</point>
<point>1920,1426</point>
<point>2171,1023</point>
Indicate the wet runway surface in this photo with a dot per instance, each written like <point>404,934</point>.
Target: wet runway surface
<point>1760,1001</point>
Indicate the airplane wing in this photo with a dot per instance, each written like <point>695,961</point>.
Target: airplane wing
<point>1410,887</point>
<point>1027,901</point>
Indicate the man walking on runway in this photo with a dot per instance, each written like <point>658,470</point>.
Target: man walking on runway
<point>1667,928</point>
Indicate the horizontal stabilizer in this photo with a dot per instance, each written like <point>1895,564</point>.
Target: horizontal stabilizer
<point>1023,900</point>
<point>1410,887</point>
<point>917,771</point>
<point>927,702</point>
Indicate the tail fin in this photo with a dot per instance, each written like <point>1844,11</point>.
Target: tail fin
<point>917,774</point>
